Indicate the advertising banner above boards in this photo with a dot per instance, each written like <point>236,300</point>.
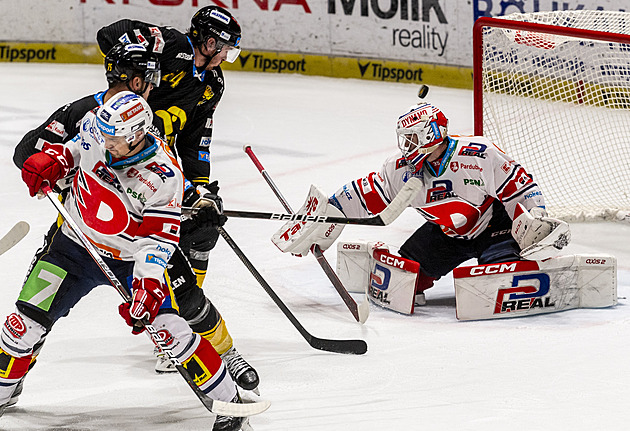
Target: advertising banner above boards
<point>419,41</point>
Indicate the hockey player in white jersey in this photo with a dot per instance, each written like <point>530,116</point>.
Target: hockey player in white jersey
<point>126,198</point>
<point>478,202</point>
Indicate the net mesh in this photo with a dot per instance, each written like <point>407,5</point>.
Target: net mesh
<point>560,106</point>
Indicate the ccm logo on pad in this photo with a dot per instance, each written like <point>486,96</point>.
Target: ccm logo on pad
<point>495,268</point>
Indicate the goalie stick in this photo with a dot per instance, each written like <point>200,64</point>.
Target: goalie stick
<point>361,312</point>
<point>214,406</point>
<point>388,215</point>
<point>13,236</point>
<point>353,347</point>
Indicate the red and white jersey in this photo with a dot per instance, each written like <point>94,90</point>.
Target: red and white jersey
<point>457,195</point>
<point>130,210</point>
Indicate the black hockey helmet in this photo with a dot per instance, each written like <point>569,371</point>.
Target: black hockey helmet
<point>125,61</point>
<point>217,23</point>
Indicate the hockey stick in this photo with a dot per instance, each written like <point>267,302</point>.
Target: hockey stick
<point>361,312</point>
<point>214,406</point>
<point>389,214</point>
<point>354,347</point>
<point>13,236</point>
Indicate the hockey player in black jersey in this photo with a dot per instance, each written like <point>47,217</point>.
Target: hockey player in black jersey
<point>191,86</point>
<point>127,67</point>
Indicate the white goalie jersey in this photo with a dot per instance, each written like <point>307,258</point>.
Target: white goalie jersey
<point>457,195</point>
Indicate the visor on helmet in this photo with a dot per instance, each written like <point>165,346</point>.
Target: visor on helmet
<point>153,74</point>
<point>232,51</point>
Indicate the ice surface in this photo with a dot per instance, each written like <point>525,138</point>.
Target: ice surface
<point>422,372</point>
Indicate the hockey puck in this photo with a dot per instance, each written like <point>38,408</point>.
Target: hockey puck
<point>423,91</point>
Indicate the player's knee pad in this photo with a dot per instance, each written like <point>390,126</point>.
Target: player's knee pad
<point>176,333</point>
<point>20,335</point>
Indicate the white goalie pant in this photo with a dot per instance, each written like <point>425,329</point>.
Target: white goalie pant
<point>387,279</point>
<point>525,288</point>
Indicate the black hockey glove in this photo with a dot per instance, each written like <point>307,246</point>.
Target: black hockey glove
<point>206,205</point>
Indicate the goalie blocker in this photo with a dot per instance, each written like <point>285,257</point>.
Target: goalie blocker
<point>525,288</point>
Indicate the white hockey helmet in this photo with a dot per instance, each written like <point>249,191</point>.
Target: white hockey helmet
<point>123,115</point>
<point>420,130</point>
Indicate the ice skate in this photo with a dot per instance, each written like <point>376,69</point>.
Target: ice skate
<point>243,374</point>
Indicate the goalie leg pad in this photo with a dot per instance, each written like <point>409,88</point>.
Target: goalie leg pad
<point>392,282</point>
<point>353,265</point>
<point>389,281</point>
<point>525,288</point>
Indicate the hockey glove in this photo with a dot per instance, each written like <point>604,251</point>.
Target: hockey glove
<point>148,295</point>
<point>539,237</point>
<point>299,237</point>
<point>206,205</point>
<point>44,167</point>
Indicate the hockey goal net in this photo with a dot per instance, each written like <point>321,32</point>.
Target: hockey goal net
<point>552,89</point>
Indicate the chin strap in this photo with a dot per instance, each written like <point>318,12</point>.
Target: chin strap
<point>133,147</point>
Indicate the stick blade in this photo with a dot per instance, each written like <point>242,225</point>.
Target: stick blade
<point>244,409</point>
<point>14,236</point>
<point>348,347</point>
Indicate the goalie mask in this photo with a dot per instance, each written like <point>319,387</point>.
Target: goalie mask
<point>123,115</point>
<point>420,130</point>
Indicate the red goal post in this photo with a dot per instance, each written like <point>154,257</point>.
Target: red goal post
<point>553,90</point>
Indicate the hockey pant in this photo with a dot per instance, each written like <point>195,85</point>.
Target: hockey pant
<point>438,253</point>
<point>63,273</point>
<point>186,273</point>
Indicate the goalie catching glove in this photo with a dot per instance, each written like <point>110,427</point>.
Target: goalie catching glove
<point>148,295</point>
<point>298,237</point>
<point>539,237</point>
<point>204,205</point>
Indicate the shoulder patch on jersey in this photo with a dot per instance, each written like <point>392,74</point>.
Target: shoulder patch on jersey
<point>158,40</point>
<point>473,149</point>
<point>184,56</point>
<point>56,128</point>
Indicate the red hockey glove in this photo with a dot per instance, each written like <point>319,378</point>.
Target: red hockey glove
<point>48,166</point>
<point>148,295</point>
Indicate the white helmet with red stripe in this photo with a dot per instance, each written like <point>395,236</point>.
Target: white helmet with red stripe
<point>123,115</point>
<point>420,130</point>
